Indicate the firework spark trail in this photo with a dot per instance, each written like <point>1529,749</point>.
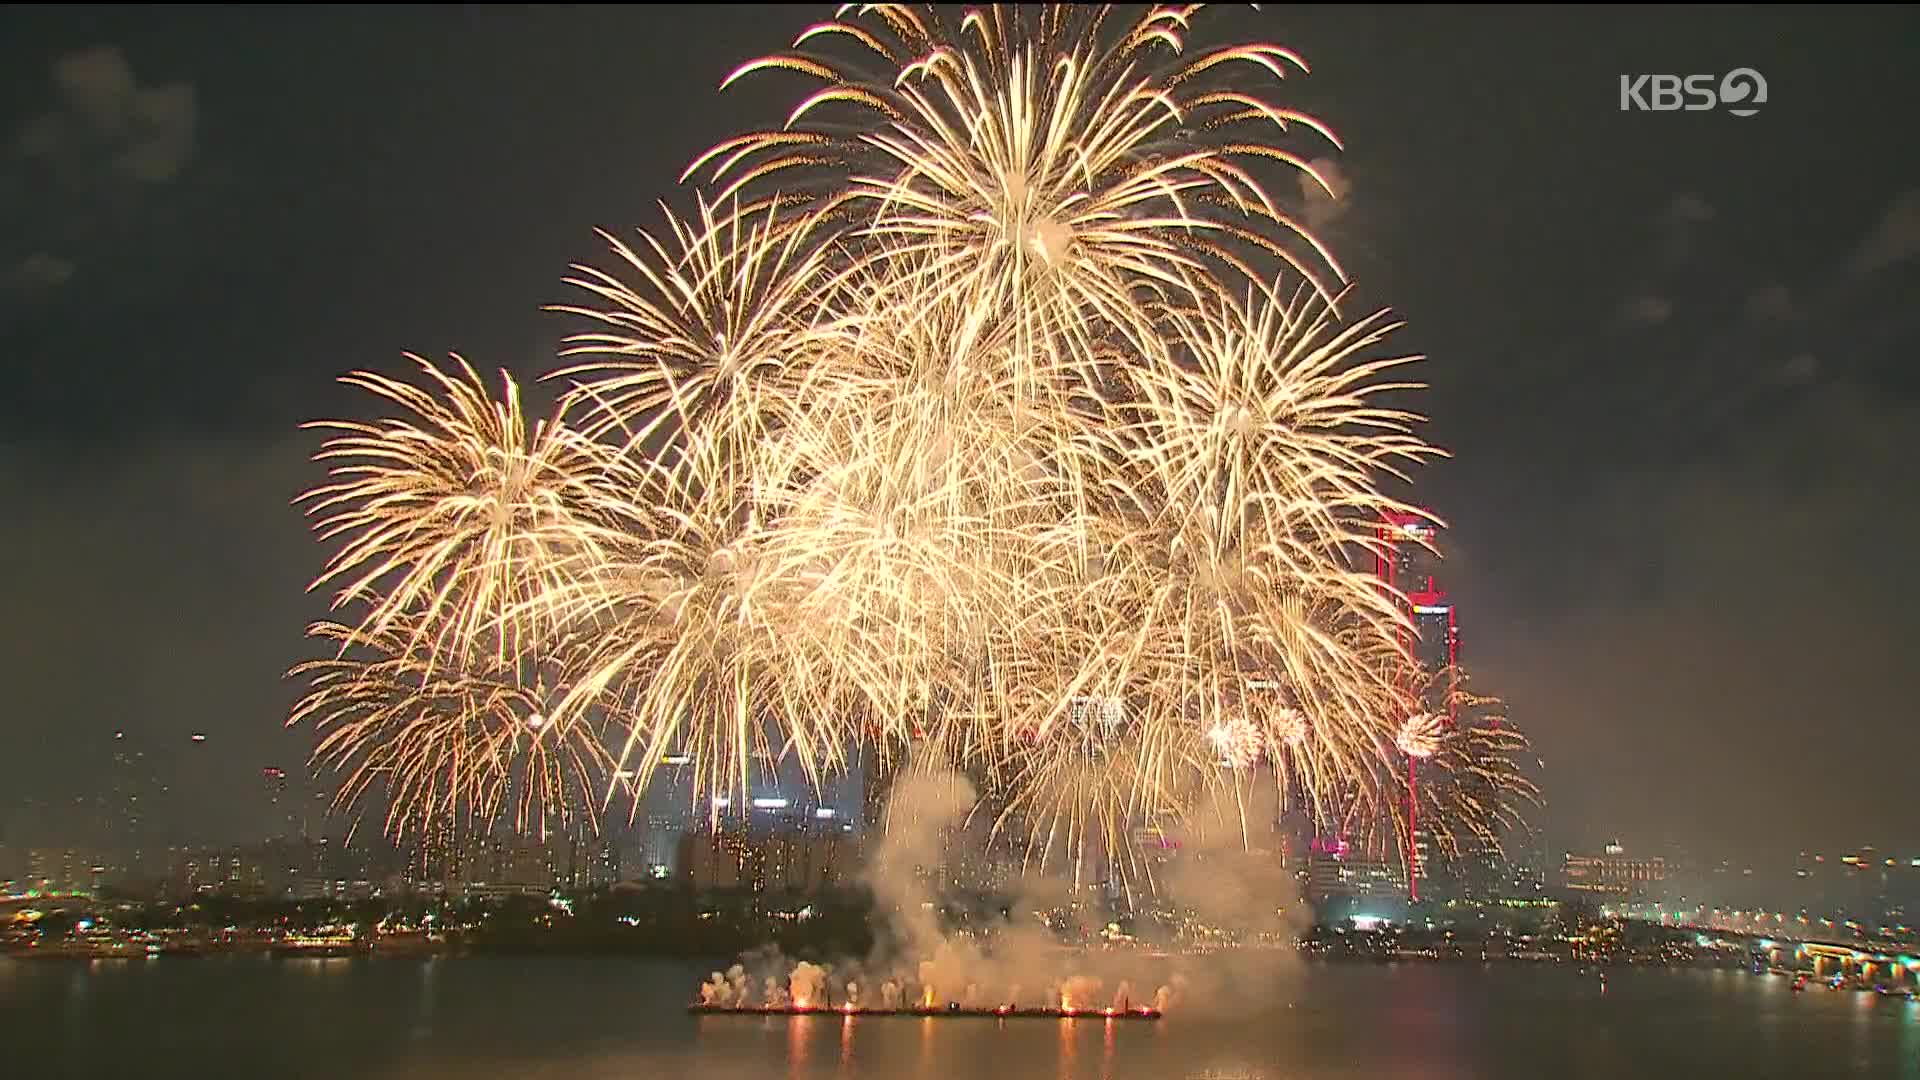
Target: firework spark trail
<point>1018,142</point>
<point>712,337</point>
<point>970,397</point>
<point>698,630</point>
<point>458,518</point>
<point>438,745</point>
<point>1474,788</point>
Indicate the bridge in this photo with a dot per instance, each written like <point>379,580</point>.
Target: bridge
<point>1820,946</point>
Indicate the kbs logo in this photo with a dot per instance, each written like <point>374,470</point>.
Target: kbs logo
<point>1742,91</point>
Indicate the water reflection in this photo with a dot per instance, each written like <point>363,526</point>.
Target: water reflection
<point>799,1037</point>
<point>1910,1037</point>
<point>75,1010</point>
<point>423,1016</point>
<point>481,1018</point>
<point>319,965</point>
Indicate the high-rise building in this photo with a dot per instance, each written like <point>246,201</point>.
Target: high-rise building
<point>283,820</point>
<point>666,814</point>
<point>1338,875</point>
<point>779,797</point>
<point>764,857</point>
<point>1407,561</point>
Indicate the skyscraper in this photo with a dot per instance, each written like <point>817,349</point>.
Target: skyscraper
<point>666,813</point>
<point>1407,561</point>
<point>283,823</point>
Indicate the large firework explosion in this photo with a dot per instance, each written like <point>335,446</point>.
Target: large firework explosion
<point>1473,788</point>
<point>459,518</point>
<point>991,385</point>
<point>466,747</point>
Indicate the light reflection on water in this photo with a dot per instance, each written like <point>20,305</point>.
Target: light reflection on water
<point>494,1018</point>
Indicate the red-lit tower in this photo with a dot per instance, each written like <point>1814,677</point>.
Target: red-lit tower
<point>1408,562</point>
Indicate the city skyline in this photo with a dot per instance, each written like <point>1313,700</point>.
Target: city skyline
<point>958,541</point>
<point>129,808</point>
<point>1667,583</point>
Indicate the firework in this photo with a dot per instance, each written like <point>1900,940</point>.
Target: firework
<point>1290,728</point>
<point>1473,788</point>
<point>1421,735</point>
<point>700,630</point>
<point>991,403</point>
<point>712,335</point>
<point>437,744</point>
<point>456,518</point>
<point>1267,437</point>
<point>1049,159</point>
<point>1237,741</point>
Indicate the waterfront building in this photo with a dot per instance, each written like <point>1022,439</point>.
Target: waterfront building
<point>1339,874</point>
<point>1614,873</point>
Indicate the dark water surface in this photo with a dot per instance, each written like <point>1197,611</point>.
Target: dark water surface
<point>488,1017</point>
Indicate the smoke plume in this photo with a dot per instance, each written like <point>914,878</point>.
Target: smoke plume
<point>1227,876</point>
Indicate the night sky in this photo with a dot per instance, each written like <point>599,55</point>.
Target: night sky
<point>1673,354</point>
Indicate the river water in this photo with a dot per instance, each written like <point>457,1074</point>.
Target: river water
<point>488,1017</point>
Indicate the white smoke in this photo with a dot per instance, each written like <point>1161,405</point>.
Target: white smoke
<point>726,989</point>
<point>807,985</point>
<point>1167,998</point>
<point>918,963</point>
<point>1231,876</point>
<point>1081,992</point>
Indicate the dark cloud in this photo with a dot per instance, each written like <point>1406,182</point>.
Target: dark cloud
<point>39,271</point>
<point>1773,304</point>
<point>1895,238</point>
<point>1687,209</point>
<point>105,119</point>
<point>1646,310</point>
<point>1681,225</point>
<point>1800,367</point>
<point>80,173</point>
